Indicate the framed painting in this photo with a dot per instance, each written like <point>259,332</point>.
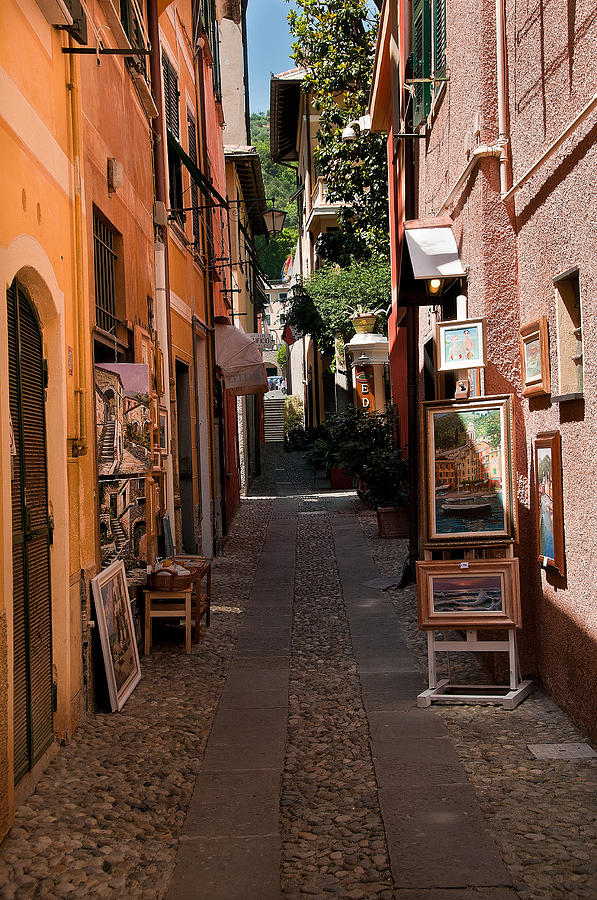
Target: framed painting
<point>469,475</point>
<point>117,633</point>
<point>460,345</point>
<point>534,358</point>
<point>472,593</point>
<point>163,430</point>
<point>549,500</point>
<point>123,419</point>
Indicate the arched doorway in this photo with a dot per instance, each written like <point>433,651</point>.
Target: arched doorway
<point>31,535</point>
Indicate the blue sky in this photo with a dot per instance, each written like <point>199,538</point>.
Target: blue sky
<point>269,47</point>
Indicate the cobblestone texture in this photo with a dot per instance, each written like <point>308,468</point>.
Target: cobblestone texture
<point>105,818</point>
<point>542,813</point>
<point>332,831</point>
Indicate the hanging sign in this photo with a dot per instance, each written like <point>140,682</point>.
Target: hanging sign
<point>263,341</point>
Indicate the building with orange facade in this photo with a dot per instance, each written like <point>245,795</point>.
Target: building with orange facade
<point>112,236</point>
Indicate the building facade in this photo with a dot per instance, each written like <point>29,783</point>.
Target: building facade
<point>490,114</point>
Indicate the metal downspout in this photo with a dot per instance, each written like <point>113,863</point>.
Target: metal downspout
<point>157,132</point>
<point>79,444</point>
<point>502,95</point>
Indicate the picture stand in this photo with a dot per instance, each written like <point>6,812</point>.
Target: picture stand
<point>443,691</point>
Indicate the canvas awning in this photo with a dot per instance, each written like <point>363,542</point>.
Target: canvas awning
<point>240,360</point>
<point>432,249</point>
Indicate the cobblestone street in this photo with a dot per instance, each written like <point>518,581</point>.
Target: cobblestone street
<point>285,756</point>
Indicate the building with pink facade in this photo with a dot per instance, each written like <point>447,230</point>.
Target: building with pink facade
<point>491,112</point>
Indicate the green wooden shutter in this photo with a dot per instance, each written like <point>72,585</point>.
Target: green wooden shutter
<point>439,37</point>
<point>171,97</point>
<point>421,59</point>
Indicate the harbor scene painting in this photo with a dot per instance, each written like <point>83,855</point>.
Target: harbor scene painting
<point>468,593</point>
<point>469,472</point>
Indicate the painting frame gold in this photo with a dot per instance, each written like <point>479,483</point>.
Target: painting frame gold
<point>446,583</point>
<point>534,339</point>
<point>490,516</point>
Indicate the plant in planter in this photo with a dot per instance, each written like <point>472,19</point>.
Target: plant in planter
<point>364,319</point>
<point>386,488</point>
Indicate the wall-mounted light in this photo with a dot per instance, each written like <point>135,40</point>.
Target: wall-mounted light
<point>435,286</point>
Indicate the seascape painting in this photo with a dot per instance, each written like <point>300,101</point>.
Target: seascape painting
<point>545,499</point>
<point>476,593</point>
<point>467,593</point>
<point>469,472</point>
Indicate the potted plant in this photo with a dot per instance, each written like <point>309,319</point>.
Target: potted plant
<point>364,319</point>
<point>386,488</point>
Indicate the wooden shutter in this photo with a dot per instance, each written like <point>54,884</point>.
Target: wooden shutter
<point>421,59</point>
<point>439,37</point>
<point>32,627</point>
<point>171,97</point>
<point>192,135</point>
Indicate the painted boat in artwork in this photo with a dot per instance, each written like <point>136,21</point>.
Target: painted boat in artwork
<point>466,507</point>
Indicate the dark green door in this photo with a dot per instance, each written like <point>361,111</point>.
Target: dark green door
<point>32,625</point>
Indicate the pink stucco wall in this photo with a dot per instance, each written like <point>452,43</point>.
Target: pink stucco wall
<point>513,250</point>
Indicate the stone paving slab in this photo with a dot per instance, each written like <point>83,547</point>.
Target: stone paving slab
<point>234,804</point>
<point>222,869</point>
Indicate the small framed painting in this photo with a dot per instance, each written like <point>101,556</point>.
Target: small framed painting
<point>117,633</point>
<point>163,430</point>
<point>460,345</point>
<point>534,358</point>
<point>469,476</point>
<point>549,500</point>
<point>472,593</point>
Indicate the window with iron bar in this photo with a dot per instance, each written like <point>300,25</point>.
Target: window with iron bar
<point>104,259</point>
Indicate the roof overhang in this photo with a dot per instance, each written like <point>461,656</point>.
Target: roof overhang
<point>240,361</point>
<point>248,169</point>
<point>285,101</point>
<point>380,96</point>
<point>432,249</point>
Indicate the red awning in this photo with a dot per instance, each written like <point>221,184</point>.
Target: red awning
<point>240,360</point>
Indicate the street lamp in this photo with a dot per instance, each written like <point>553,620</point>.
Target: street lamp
<point>274,220</point>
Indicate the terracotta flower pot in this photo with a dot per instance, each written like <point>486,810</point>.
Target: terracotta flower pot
<point>393,521</point>
<point>339,480</point>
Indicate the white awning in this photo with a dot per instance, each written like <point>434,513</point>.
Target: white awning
<point>433,251</point>
<point>241,363</point>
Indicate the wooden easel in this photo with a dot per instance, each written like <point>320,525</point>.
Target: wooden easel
<point>443,691</point>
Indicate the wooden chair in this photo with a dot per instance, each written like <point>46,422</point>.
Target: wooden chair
<point>168,605</point>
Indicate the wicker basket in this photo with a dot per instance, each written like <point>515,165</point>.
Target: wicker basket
<point>169,581</point>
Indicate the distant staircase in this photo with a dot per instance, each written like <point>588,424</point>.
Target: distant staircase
<point>273,415</point>
<point>119,535</point>
<point>107,448</point>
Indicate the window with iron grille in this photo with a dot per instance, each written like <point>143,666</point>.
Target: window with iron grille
<point>429,54</point>
<point>104,261</point>
<point>172,116</point>
<point>192,135</point>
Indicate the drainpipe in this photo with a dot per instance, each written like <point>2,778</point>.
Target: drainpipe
<point>79,444</point>
<point>478,153</point>
<point>212,387</point>
<point>502,94</point>
<point>162,266</point>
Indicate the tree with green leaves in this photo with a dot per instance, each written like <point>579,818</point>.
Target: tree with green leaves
<point>323,303</point>
<point>335,44</point>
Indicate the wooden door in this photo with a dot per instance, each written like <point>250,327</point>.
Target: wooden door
<point>31,536</point>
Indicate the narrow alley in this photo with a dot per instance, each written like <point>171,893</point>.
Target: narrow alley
<point>285,757</point>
